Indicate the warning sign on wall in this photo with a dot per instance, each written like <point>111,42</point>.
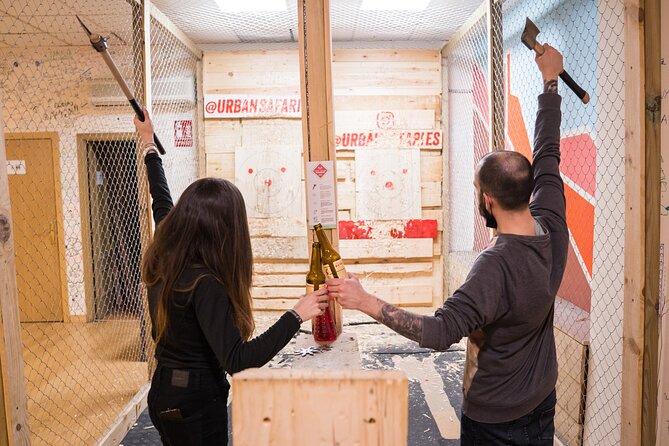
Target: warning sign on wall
<point>183,133</point>
<point>321,194</point>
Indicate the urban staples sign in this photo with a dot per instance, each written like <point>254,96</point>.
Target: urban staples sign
<point>420,139</point>
<point>252,106</point>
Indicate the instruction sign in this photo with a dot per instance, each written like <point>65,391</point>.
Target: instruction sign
<point>183,133</point>
<point>16,167</point>
<point>321,194</point>
<point>252,106</point>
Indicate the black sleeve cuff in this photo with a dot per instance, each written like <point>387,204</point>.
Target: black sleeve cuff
<point>550,100</point>
<point>152,156</point>
<point>291,322</point>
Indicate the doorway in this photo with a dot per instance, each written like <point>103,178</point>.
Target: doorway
<point>113,226</point>
<point>33,168</point>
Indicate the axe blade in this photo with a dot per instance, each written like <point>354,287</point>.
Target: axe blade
<point>88,31</point>
<point>529,35</point>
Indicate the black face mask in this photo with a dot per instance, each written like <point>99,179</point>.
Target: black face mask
<point>490,221</point>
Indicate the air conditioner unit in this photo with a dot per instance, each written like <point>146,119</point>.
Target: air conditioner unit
<point>107,93</point>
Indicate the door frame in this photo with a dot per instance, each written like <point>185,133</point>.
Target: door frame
<point>60,222</point>
<point>84,203</point>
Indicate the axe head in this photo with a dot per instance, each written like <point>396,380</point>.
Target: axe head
<point>98,42</point>
<point>529,35</point>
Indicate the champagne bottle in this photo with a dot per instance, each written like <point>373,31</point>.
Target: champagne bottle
<point>323,327</point>
<point>333,266</point>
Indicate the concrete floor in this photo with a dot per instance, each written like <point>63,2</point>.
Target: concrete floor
<point>435,378</point>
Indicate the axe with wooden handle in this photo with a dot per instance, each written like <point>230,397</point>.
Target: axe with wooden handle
<point>100,45</point>
<point>529,38</point>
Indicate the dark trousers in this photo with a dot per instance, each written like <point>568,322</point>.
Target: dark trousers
<point>189,407</point>
<point>537,428</point>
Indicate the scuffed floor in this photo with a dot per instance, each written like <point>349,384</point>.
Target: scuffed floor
<point>435,378</point>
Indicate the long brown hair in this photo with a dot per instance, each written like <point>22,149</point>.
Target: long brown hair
<point>207,227</point>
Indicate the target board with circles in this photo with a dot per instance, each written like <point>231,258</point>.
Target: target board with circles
<point>387,184</point>
<point>270,181</point>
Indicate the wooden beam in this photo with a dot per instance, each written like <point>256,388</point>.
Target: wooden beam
<point>143,53</point>
<point>14,429</point>
<point>199,116</point>
<point>495,75</point>
<point>471,21</point>
<point>663,367</point>
<point>315,47</point>
<point>651,291</point>
<point>445,188</point>
<point>635,233</point>
<point>127,419</point>
<point>176,32</point>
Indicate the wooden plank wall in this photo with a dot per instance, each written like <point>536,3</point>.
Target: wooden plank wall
<point>405,271</point>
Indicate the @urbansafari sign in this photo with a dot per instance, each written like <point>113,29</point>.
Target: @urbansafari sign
<point>252,106</point>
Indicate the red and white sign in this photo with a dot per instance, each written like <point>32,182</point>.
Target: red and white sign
<point>183,133</point>
<point>421,139</point>
<point>320,170</point>
<point>252,106</point>
<point>321,187</point>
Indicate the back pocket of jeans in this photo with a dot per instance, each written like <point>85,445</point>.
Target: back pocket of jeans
<point>198,426</point>
<point>547,424</point>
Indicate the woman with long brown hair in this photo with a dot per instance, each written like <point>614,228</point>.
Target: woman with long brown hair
<point>198,272</point>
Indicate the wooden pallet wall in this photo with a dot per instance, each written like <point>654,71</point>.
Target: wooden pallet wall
<point>406,267</point>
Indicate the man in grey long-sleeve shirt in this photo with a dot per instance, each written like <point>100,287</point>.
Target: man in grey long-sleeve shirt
<point>505,306</point>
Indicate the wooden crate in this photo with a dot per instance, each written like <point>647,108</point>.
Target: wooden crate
<point>572,355</point>
<point>319,407</point>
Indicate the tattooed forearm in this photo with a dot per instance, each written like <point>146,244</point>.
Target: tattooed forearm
<point>551,86</point>
<point>403,322</point>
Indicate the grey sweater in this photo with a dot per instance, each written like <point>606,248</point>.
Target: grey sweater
<point>506,304</point>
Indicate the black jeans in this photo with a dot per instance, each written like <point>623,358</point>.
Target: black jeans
<point>537,428</point>
<point>189,411</point>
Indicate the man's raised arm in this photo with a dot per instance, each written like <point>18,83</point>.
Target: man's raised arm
<point>548,201</point>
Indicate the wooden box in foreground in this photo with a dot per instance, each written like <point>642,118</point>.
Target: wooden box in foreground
<point>319,407</point>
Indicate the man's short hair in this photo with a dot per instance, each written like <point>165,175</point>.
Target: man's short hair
<point>507,177</point>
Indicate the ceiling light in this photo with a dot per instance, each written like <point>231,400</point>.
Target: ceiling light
<point>235,6</point>
<point>394,5</point>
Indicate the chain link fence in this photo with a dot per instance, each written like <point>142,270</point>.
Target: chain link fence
<point>588,310</point>
<point>80,202</point>
<point>469,133</point>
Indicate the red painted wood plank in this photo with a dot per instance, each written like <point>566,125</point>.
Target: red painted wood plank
<point>362,230</point>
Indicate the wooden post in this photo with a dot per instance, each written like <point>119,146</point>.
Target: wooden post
<point>14,429</point>
<point>635,227</point>
<point>495,75</point>
<point>651,291</point>
<point>141,22</point>
<point>199,116</point>
<point>313,18</point>
<point>319,407</point>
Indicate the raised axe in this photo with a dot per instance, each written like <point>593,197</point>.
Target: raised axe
<point>529,38</point>
<point>100,44</point>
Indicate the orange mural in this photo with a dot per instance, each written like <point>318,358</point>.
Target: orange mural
<point>578,167</point>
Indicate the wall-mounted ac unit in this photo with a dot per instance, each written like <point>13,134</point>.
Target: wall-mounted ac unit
<point>106,92</point>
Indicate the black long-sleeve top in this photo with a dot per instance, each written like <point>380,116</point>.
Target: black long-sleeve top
<point>201,332</point>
